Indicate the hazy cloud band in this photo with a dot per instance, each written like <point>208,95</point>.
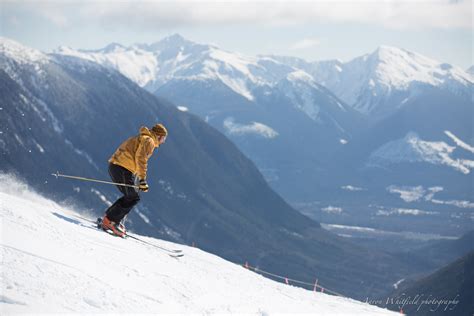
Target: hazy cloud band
<point>153,15</point>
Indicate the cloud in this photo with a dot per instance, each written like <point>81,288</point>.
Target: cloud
<point>14,21</point>
<point>55,16</point>
<point>305,43</point>
<point>255,128</point>
<point>391,14</point>
<point>55,12</point>
<point>153,15</point>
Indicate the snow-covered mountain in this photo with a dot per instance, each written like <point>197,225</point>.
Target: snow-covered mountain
<point>375,84</point>
<point>379,83</point>
<point>54,260</point>
<point>419,113</point>
<point>260,103</point>
<point>470,70</point>
<point>177,59</point>
<point>152,65</point>
<point>415,107</point>
<point>22,54</point>
<point>413,149</point>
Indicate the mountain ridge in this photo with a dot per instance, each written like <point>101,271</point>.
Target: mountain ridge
<point>365,81</point>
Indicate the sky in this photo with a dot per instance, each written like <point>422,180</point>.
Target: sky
<point>313,30</point>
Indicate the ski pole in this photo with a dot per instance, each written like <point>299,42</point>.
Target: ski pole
<point>57,174</point>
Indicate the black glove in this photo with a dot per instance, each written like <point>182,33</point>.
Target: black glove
<point>142,185</point>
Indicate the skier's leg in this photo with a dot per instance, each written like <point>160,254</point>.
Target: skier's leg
<point>127,202</point>
<point>117,211</point>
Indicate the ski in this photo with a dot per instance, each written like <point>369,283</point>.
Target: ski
<point>176,256</point>
<point>174,253</point>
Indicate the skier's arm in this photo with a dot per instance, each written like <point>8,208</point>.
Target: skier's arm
<point>143,153</point>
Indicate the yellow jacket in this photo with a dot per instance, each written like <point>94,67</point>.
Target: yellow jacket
<point>133,154</point>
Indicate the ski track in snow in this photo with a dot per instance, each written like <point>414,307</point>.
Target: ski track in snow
<point>54,260</point>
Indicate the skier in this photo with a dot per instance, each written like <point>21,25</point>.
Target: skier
<point>128,163</point>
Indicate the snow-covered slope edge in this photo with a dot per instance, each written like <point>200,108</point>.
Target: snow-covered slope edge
<point>53,260</point>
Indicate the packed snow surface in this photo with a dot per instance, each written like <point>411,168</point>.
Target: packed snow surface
<point>54,260</point>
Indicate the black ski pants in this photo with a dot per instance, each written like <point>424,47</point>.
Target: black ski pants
<point>117,211</point>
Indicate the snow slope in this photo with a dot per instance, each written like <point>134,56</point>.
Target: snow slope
<point>413,149</point>
<point>53,260</point>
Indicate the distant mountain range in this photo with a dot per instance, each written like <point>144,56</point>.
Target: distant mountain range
<point>63,113</point>
<point>380,83</point>
<point>388,118</point>
<point>278,115</point>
